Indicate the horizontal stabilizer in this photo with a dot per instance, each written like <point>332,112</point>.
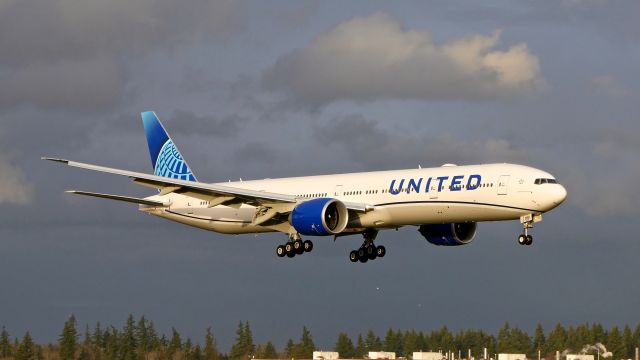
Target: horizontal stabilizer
<point>119,198</point>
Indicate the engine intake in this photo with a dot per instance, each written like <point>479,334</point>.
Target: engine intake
<point>320,217</point>
<point>453,234</point>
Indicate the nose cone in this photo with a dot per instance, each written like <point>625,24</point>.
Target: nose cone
<point>560,194</point>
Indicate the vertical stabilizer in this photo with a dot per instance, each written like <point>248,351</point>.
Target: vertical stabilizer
<point>165,157</point>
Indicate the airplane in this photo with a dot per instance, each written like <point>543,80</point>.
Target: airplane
<point>445,203</point>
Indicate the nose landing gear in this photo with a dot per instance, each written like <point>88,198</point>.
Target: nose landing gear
<point>527,223</point>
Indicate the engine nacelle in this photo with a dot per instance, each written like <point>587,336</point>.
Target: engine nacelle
<point>318,217</point>
<point>449,234</point>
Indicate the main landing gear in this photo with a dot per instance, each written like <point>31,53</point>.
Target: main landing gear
<point>527,223</point>
<point>368,250</point>
<point>295,246</point>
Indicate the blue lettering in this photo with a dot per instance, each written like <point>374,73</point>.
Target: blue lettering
<point>474,182</point>
<point>393,191</point>
<point>455,182</point>
<point>426,188</point>
<point>442,179</point>
<point>414,185</point>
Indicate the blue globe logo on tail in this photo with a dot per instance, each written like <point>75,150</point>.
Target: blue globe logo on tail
<point>171,164</point>
<point>165,157</point>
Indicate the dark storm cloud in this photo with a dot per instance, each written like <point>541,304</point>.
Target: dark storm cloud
<point>64,54</point>
<point>256,152</point>
<point>367,142</point>
<point>375,57</point>
<point>189,123</point>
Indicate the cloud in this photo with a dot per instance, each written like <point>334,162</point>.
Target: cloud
<point>374,57</point>
<point>224,127</point>
<point>14,187</point>
<point>368,143</point>
<point>74,55</point>
<point>607,85</point>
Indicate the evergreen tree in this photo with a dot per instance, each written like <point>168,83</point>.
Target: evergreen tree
<point>636,336</point>
<point>598,335</point>
<point>411,343</point>
<point>250,348</point>
<point>556,340</point>
<point>27,349</point>
<point>5,344</point>
<point>344,346</point>
<point>153,341</point>
<point>175,344</point>
<point>627,342</point>
<point>306,347</point>
<point>289,348</point>
<point>372,342</point>
<point>128,342</point>
<point>97,338</point>
<point>143,341</point>
<point>269,351</point>
<point>243,346</point>
<point>68,339</point>
<point>361,348</point>
<point>614,343</point>
<point>539,339</point>
<point>210,346</point>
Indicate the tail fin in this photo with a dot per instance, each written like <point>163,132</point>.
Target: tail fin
<point>165,157</point>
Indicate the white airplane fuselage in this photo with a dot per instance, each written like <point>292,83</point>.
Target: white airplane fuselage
<point>447,194</point>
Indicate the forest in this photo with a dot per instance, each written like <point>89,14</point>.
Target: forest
<point>138,339</point>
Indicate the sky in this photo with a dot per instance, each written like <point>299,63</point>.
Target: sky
<point>256,89</point>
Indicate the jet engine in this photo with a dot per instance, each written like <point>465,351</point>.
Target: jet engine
<point>318,217</point>
<point>453,234</point>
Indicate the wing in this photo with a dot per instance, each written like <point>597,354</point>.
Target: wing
<point>119,198</point>
<point>214,193</point>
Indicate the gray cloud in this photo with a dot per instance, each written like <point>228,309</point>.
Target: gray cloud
<point>69,55</point>
<point>368,58</point>
<point>223,127</point>
<point>14,188</point>
<point>368,143</point>
<point>607,85</point>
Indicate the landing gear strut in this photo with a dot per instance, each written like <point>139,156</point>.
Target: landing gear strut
<point>295,246</point>
<point>527,223</point>
<point>368,250</point>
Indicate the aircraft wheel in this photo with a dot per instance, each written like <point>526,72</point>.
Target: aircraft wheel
<point>308,245</point>
<point>529,240</point>
<point>363,259</point>
<point>361,253</point>
<point>291,252</point>
<point>371,252</point>
<point>298,246</point>
<point>353,256</point>
<point>281,251</point>
<point>522,239</point>
<point>381,251</point>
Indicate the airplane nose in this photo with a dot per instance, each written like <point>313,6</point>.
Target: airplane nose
<point>560,195</point>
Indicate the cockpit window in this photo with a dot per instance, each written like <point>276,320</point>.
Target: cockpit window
<point>545,181</point>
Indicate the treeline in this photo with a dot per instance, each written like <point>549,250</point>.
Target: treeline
<point>139,340</point>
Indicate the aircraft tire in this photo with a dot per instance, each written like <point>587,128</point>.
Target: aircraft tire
<point>298,246</point>
<point>522,239</point>
<point>281,251</point>
<point>308,245</point>
<point>529,240</point>
<point>363,259</point>
<point>291,252</point>
<point>381,251</point>
<point>372,254</point>
<point>353,256</point>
